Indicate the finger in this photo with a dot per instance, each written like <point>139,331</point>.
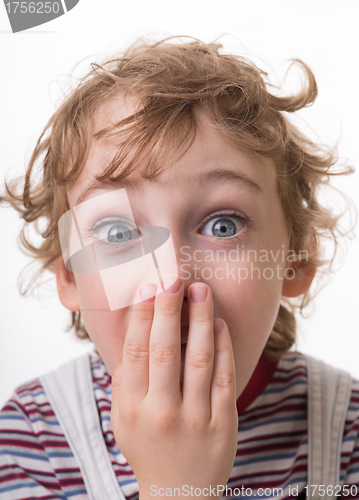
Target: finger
<point>165,343</point>
<point>223,384</point>
<point>115,392</point>
<point>198,366</point>
<point>116,375</point>
<point>135,357</point>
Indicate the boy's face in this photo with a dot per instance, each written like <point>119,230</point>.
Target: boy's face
<point>243,261</point>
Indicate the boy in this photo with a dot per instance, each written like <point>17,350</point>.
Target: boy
<point>203,392</point>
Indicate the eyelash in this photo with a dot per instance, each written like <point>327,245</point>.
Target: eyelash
<point>98,225</point>
<point>236,215</point>
<point>217,215</point>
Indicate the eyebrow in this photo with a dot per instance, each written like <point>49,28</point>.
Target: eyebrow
<point>106,184</point>
<point>226,175</point>
<point>213,177</point>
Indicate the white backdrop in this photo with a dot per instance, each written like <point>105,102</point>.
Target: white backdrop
<point>34,66</point>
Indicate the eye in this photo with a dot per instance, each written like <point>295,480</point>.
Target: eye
<point>224,226</point>
<point>113,232</point>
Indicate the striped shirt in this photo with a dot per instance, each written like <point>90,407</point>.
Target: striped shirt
<point>36,461</point>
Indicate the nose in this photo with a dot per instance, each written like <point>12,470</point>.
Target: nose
<point>182,249</point>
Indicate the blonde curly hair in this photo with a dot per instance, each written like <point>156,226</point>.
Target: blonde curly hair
<point>170,79</point>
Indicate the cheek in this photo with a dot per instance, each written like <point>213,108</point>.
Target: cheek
<point>91,292</point>
<point>249,305</point>
<point>107,329</point>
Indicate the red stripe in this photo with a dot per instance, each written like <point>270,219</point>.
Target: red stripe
<point>260,378</point>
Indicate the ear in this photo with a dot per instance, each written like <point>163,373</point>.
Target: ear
<point>298,281</point>
<point>66,286</point>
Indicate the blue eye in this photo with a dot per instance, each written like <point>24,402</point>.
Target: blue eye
<point>223,227</point>
<point>112,233</point>
<point>115,233</point>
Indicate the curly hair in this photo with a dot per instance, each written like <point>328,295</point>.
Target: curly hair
<point>170,79</point>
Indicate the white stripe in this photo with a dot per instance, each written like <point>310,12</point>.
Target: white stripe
<point>63,6</point>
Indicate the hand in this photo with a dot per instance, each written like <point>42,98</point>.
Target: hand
<point>173,435</point>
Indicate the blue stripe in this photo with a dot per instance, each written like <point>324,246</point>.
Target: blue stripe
<point>30,393</point>
<point>264,459</point>
<point>350,438</point>
<point>12,417</point>
<point>128,481</point>
<point>42,419</point>
<point>32,419</point>
<point>242,427</point>
<point>19,486</point>
<point>73,493</point>
<point>107,391</point>
<point>273,390</point>
<point>294,358</point>
<point>61,454</point>
<point>25,455</point>
<point>116,453</point>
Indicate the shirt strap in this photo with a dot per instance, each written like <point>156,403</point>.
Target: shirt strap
<point>329,391</point>
<point>71,396</point>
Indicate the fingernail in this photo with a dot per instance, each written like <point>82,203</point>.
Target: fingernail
<point>171,286</point>
<point>217,325</point>
<point>148,292</point>
<point>198,293</point>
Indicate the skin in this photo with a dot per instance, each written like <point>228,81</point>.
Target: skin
<point>173,433</point>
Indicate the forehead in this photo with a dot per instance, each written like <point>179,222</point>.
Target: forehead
<point>113,110</point>
<point>210,152</point>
